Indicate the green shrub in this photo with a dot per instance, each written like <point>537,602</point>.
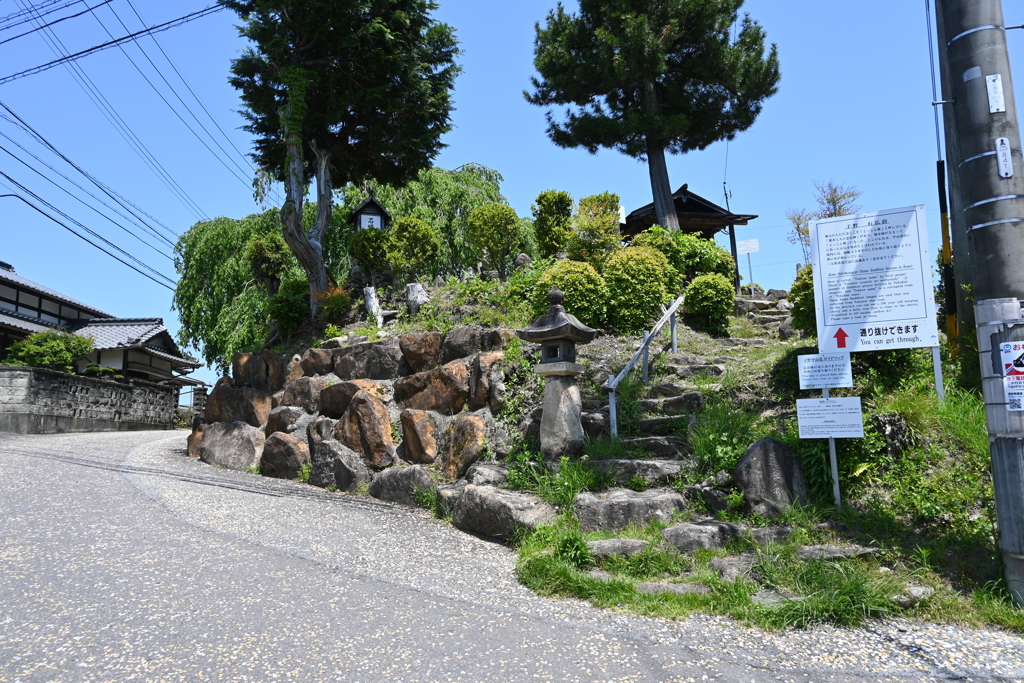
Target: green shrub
<point>371,248</point>
<point>801,295</point>
<point>52,349</point>
<point>701,256</point>
<point>268,258</point>
<point>637,279</point>
<point>552,221</point>
<point>595,230</point>
<point>496,234</point>
<point>709,302</point>
<point>289,308</point>
<point>414,247</point>
<point>335,302</point>
<point>586,295</point>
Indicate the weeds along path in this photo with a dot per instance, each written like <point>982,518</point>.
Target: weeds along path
<point>407,549</point>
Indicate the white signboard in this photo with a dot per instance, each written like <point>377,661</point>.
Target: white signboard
<point>872,281</point>
<point>825,370</point>
<point>747,247</point>
<point>1004,159</point>
<point>1012,355</point>
<point>823,418</point>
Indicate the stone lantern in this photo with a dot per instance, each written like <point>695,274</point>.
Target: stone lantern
<point>561,429</point>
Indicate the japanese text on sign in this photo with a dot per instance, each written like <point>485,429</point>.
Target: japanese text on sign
<point>823,418</point>
<point>825,370</point>
<point>1012,356</point>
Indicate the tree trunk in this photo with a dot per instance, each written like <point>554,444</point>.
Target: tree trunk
<point>664,205</point>
<point>308,248</point>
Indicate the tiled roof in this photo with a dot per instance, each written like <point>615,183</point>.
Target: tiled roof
<point>14,278</point>
<point>21,322</point>
<point>123,333</point>
<point>181,361</point>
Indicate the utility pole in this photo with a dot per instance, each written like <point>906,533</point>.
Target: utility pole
<point>983,119</point>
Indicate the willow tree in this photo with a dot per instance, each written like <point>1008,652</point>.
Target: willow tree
<point>341,92</point>
<point>649,76</point>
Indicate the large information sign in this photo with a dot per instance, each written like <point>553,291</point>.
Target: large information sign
<point>872,281</point>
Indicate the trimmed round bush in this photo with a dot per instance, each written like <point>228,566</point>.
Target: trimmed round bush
<point>52,349</point>
<point>496,233</point>
<point>371,248</point>
<point>801,295</point>
<point>586,295</point>
<point>709,301</point>
<point>638,280</point>
<point>414,247</point>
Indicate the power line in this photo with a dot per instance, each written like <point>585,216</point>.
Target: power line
<point>103,187</point>
<point>55,21</point>
<point>80,200</point>
<point>82,237</point>
<point>36,13</point>
<point>169,106</point>
<point>78,55</point>
<point>119,124</point>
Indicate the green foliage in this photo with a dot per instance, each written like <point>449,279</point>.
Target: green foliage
<point>721,436</point>
<point>709,303</point>
<point>414,247</point>
<point>304,473</point>
<point>552,221</point>
<point>558,486</point>
<point>586,295</point>
<point>370,248</point>
<point>496,234</point>
<point>595,229</point>
<point>268,258</point>
<point>289,308</point>
<point>444,199</point>
<point>637,280</point>
<point>801,295</point>
<point>51,349</point>
<point>572,549</point>
<point>335,303</point>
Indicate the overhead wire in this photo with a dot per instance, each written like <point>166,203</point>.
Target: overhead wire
<point>55,21</point>
<point>222,160</point>
<point>121,126</point>
<point>110,192</point>
<point>36,10</point>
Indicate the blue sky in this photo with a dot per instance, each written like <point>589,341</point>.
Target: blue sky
<point>854,106</point>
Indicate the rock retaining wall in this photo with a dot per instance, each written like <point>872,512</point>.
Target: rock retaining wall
<point>37,401</point>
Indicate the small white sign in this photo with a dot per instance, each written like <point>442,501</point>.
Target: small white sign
<point>873,281</point>
<point>996,101</point>
<point>747,247</point>
<point>825,370</point>
<point>823,418</point>
<point>1004,157</point>
<point>1012,355</point>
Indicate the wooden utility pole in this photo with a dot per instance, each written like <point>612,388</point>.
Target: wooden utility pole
<point>983,119</point>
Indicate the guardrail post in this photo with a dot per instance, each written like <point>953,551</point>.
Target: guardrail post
<point>647,336</point>
<point>675,343</point>
<point>613,416</point>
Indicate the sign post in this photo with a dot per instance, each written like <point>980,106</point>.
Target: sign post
<point>832,418</point>
<point>748,247</point>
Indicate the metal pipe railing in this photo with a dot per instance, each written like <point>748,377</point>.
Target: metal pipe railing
<point>669,317</point>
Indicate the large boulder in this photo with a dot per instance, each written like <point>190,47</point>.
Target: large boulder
<point>467,441</point>
<point>653,472</point>
<point>232,445</point>
<point>444,390</point>
<point>283,456</point>
<point>277,368</point>
<point>421,351</point>
<point>497,339</point>
<point>225,404</point>
<point>502,514</point>
<point>334,399</point>
<point>419,434</point>
<point>480,373</point>
<point>317,362</point>
<point>371,360</point>
<point>334,464</point>
<point>366,428</point>
<point>250,370</point>
<point>461,342</point>
<point>770,476</point>
<point>303,392</point>
<point>400,484</point>
<point>487,474</point>
<point>619,508</point>
<point>709,534</point>
<point>288,419</point>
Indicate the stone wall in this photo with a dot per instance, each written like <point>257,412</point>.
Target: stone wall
<point>37,401</point>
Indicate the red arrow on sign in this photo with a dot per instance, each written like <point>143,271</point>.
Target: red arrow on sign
<point>840,338</point>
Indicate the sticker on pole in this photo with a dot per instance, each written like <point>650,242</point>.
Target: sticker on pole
<point>825,370</point>
<point>824,418</point>
<point>1012,355</point>
<point>872,281</point>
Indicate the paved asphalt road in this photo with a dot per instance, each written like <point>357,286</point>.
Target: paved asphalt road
<point>120,559</point>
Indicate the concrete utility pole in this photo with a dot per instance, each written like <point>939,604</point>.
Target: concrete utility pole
<point>991,187</point>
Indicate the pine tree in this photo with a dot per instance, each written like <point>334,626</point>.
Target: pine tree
<point>650,76</point>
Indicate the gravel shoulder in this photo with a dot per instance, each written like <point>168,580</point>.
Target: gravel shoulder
<point>384,592</point>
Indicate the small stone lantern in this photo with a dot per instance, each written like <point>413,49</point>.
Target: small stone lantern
<point>561,429</point>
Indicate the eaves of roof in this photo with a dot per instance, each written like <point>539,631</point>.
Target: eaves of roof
<point>14,278</point>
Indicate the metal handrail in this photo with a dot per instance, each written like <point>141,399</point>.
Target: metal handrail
<point>668,317</point>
